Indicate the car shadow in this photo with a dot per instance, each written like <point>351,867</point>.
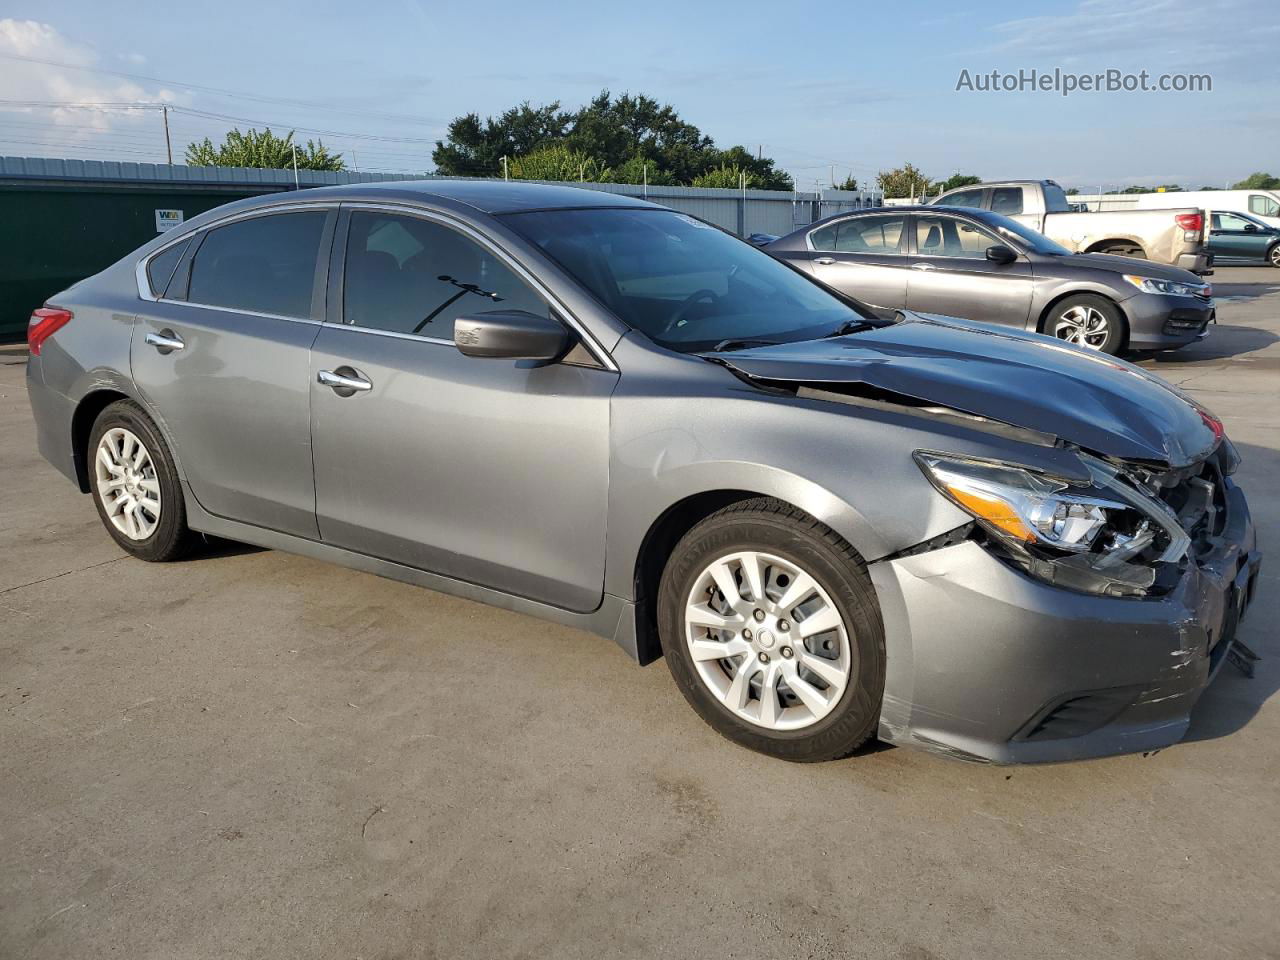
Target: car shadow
<point>212,548</point>
<point>1224,340</point>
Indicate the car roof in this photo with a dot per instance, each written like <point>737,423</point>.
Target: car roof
<point>486,196</point>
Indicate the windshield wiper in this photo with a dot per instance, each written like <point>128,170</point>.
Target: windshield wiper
<point>736,344</point>
<point>856,326</point>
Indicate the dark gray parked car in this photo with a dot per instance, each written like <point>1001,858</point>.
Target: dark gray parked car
<point>979,265</point>
<point>602,412</point>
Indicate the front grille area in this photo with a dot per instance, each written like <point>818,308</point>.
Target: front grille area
<point>1198,495</point>
<point>1079,714</point>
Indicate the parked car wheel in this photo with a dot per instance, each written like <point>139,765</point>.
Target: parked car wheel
<point>1090,321</point>
<point>135,485</point>
<point>771,629</point>
<point>1273,255</point>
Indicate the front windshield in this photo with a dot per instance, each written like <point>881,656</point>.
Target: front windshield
<point>687,285</point>
<point>1034,240</point>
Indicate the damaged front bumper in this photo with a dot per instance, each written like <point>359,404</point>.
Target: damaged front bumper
<point>986,663</point>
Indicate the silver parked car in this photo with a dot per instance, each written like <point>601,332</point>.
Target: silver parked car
<point>615,416</point>
<point>983,266</point>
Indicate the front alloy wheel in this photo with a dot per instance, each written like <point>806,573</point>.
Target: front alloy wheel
<point>1083,325</point>
<point>1088,321</point>
<point>772,631</point>
<point>767,640</point>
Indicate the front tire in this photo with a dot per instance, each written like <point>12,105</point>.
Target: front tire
<point>771,629</point>
<point>1273,255</point>
<point>135,485</point>
<point>1090,321</point>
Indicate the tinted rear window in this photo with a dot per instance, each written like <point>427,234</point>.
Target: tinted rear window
<point>160,267</point>
<point>265,264</point>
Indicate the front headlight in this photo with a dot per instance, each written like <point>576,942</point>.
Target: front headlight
<point>1102,537</point>
<point>1172,287</point>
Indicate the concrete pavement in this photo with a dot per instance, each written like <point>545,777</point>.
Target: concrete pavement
<point>249,754</point>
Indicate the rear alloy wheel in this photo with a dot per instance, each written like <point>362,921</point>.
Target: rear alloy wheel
<point>1273,255</point>
<point>135,485</point>
<point>771,629</point>
<point>1088,321</point>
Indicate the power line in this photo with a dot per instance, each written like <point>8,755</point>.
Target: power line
<point>223,91</point>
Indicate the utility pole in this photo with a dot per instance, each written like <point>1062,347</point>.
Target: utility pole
<point>505,176</point>
<point>355,161</point>
<point>295,167</point>
<point>645,167</point>
<point>168,146</point>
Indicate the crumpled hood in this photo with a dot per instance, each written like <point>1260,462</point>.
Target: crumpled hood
<point>1102,404</point>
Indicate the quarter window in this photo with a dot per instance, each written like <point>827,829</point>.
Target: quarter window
<point>948,237</point>
<point>160,267</point>
<point>410,275</point>
<point>263,264</point>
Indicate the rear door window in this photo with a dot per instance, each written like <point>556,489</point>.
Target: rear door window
<point>261,265</point>
<point>1006,200</point>
<point>965,198</point>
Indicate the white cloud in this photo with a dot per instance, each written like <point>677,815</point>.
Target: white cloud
<point>61,78</point>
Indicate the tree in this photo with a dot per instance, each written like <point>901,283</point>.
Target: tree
<point>641,170</point>
<point>955,181</point>
<point>903,181</point>
<point>849,183</point>
<point>557,162</point>
<point>265,149</point>
<point>623,134</point>
<point>1073,192</point>
<point>1258,181</point>
<point>475,148</point>
<point>726,176</point>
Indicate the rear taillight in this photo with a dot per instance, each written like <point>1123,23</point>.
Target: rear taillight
<point>44,322</point>
<point>1191,222</point>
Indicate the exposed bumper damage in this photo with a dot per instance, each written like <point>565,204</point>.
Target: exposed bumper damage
<point>988,664</point>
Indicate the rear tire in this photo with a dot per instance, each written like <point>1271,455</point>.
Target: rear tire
<point>797,671</point>
<point>1090,321</point>
<point>1273,255</point>
<point>135,485</point>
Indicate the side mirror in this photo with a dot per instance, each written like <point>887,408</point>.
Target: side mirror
<point>511,334</point>
<point>1250,228</point>
<point>999,253</point>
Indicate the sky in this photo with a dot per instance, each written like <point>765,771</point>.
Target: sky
<point>863,88</point>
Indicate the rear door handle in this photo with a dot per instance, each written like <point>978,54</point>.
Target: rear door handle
<point>344,381</point>
<point>166,341</point>
<point>923,266</point>
<point>825,261</point>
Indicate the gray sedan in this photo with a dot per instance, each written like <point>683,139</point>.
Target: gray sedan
<point>979,265</point>
<point>615,416</point>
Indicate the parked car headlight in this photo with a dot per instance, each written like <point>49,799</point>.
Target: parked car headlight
<point>1173,287</point>
<point>1105,536</point>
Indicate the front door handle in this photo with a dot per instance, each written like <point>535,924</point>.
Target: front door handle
<point>166,341</point>
<point>344,381</point>
<point>923,266</point>
<point>825,261</point>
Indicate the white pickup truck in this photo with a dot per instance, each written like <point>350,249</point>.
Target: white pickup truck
<point>1175,236</point>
